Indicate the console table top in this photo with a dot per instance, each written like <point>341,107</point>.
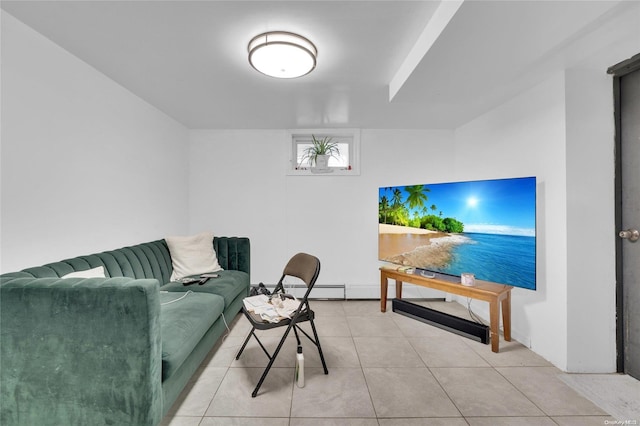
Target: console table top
<point>480,287</point>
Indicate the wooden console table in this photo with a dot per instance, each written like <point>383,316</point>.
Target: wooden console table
<point>495,294</point>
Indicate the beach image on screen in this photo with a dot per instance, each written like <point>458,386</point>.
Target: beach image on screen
<point>486,227</point>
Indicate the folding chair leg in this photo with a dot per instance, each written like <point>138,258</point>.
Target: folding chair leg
<point>315,335</point>
<point>245,343</point>
<point>272,358</point>
<point>295,331</point>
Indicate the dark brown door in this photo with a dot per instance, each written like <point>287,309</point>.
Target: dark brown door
<point>627,95</point>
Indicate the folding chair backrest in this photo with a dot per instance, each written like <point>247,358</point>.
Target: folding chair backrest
<point>305,267</point>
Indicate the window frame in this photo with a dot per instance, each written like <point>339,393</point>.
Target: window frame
<point>348,136</point>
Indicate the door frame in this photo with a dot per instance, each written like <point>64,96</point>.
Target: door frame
<point>618,71</point>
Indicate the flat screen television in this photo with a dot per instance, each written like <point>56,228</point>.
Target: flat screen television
<point>484,227</point>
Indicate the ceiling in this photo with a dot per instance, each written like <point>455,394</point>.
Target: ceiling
<point>189,58</point>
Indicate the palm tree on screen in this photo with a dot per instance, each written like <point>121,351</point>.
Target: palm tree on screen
<point>383,208</point>
<point>417,196</point>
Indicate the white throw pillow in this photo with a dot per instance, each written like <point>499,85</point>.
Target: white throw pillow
<point>192,255</point>
<point>97,272</point>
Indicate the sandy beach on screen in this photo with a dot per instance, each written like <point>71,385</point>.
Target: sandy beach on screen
<point>416,247</point>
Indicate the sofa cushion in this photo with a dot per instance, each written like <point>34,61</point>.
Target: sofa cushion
<point>184,318</point>
<point>229,285</point>
<point>192,255</point>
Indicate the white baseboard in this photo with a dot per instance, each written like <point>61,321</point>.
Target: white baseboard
<point>409,291</point>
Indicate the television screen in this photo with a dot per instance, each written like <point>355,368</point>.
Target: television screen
<point>485,227</point>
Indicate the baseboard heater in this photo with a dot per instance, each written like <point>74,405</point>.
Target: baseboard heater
<point>319,292</point>
<point>461,326</point>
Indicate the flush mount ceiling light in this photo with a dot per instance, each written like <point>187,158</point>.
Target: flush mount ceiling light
<point>282,54</point>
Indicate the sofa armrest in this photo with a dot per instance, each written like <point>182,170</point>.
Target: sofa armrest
<point>80,351</point>
<point>234,253</point>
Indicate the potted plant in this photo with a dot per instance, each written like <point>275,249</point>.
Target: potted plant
<point>320,151</point>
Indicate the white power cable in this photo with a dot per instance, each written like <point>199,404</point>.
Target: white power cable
<point>178,299</point>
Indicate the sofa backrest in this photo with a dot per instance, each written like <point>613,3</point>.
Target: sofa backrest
<point>234,253</point>
<point>146,260</point>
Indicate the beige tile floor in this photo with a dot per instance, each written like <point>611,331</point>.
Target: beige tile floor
<point>384,369</point>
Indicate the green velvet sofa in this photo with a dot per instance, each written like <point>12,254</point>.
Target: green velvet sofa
<point>110,351</point>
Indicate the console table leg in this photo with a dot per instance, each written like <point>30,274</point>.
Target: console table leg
<point>506,316</point>
<point>398,289</point>
<point>494,316</point>
<point>384,284</point>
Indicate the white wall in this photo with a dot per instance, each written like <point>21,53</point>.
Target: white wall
<point>526,137</point>
<point>86,165</point>
<point>591,281</point>
<point>238,185</point>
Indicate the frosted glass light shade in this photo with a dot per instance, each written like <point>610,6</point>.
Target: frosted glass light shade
<point>281,54</point>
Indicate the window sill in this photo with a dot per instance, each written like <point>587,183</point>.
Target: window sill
<point>332,172</point>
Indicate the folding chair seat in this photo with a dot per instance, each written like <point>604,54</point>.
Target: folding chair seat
<point>306,268</point>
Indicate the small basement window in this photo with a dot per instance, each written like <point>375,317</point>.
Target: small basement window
<point>345,159</point>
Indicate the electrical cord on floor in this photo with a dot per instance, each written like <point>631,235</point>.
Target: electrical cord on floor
<point>472,314</point>
<point>227,326</point>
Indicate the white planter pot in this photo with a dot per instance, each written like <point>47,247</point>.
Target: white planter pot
<point>322,162</point>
